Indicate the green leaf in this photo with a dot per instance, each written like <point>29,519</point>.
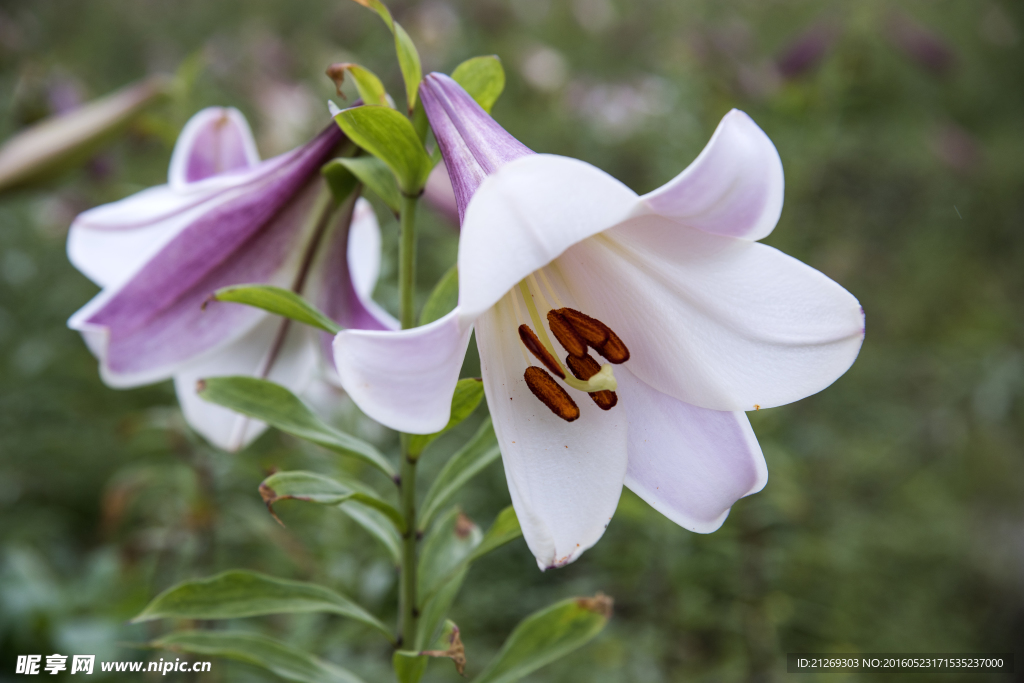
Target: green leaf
<point>317,488</point>
<point>238,593</point>
<point>280,302</point>
<point>447,547</point>
<point>470,460</point>
<point>278,407</point>
<point>467,396</point>
<point>547,635</point>
<point>390,137</point>
<point>374,174</point>
<point>378,526</point>
<point>371,90</point>
<point>272,655</point>
<point>408,57</point>
<point>504,529</point>
<point>340,180</point>
<point>409,666</point>
<point>436,609</point>
<point>483,78</point>
<point>443,299</point>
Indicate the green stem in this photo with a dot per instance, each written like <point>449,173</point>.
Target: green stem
<point>407,263</point>
<point>407,590</point>
<point>406,286</point>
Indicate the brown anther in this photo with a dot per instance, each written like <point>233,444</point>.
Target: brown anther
<point>566,335</point>
<point>585,368</point>
<point>593,331</point>
<point>550,394</point>
<point>531,342</point>
<point>613,350</point>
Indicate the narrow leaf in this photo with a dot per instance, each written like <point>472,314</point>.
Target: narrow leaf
<point>278,407</point>
<point>547,635</point>
<point>483,78</point>
<point>279,301</point>
<point>272,655</point>
<point>469,461</point>
<point>317,488</point>
<point>408,57</point>
<point>378,526</point>
<point>238,593</point>
<point>390,137</point>
<point>467,396</point>
<point>443,299</point>
<point>409,666</point>
<point>448,545</point>
<point>340,180</point>
<point>504,529</point>
<point>371,90</point>
<point>374,174</point>
<point>436,609</point>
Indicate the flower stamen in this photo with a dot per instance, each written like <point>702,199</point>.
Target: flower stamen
<point>597,335</point>
<point>550,394</point>
<point>585,368</point>
<point>566,335</point>
<point>532,343</point>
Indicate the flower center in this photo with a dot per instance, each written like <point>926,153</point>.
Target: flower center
<point>577,333</point>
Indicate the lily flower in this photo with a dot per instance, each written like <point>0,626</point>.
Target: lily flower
<point>664,308</point>
<point>223,218</point>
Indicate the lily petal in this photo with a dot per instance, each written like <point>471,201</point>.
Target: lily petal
<point>472,143</point>
<point>565,477</point>
<point>734,188</point>
<point>690,464</point>
<point>525,215</point>
<point>717,322</point>
<point>215,140</point>
<point>404,379</point>
<point>293,365</point>
<point>143,329</point>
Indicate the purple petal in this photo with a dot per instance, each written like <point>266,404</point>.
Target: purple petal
<point>155,320</point>
<point>216,140</point>
<point>473,145</point>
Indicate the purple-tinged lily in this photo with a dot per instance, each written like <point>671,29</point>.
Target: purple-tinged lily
<point>664,307</point>
<point>223,218</point>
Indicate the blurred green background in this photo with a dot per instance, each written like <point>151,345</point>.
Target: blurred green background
<point>892,520</point>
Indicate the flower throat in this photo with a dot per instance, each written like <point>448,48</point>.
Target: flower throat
<point>577,333</point>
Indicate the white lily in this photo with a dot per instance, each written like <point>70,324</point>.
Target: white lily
<point>223,218</point>
<point>698,323</point>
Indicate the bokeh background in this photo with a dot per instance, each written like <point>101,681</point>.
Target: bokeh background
<point>892,520</point>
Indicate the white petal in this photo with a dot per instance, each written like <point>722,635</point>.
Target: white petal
<point>565,477</point>
<point>293,367</point>
<point>717,322</point>
<point>734,188</point>
<point>215,140</point>
<point>404,379</point>
<point>690,464</point>
<point>526,214</point>
<point>364,248</point>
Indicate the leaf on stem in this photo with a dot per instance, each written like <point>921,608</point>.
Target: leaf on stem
<point>408,57</point>
<point>371,90</point>
<point>390,137</point>
<point>237,593</point>
<point>280,408</point>
<point>467,396</point>
<point>504,529</point>
<point>469,461</point>
<point>483,78</point>
<point>547,635</point>
<point>272,655</point>
<point>340,180</point>
<point>448,546</point>
<point>443,299</point>
<point>312,487</point>
<point>374,174</point>
<point>409,665</point>
<point>279,301</point>
<point>378,526</point>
